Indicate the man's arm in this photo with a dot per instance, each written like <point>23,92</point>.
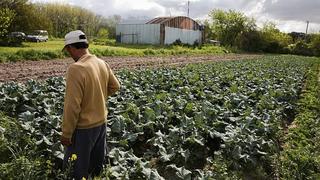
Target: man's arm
<point>72,102</point>
<point>113,84</point>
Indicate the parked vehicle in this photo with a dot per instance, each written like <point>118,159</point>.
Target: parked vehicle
<point>17,35</point>
<point>214,42</point>
<point>38,36</point>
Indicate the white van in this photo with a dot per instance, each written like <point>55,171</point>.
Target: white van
<point>38,36</point>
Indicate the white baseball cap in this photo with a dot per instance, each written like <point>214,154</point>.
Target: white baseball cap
<point>74,37</point>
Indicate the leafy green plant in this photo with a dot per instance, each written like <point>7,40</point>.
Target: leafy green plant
<point>20,158</point>
<point>213,120</point>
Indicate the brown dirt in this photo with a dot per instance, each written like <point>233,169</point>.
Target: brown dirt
<point>22,71</point>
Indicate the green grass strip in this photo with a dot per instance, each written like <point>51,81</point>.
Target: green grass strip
<point>300,158</point>
<point>52,50</point>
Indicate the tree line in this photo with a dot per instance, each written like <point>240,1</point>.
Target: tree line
<point>56,18</point>
<point>234,29</point>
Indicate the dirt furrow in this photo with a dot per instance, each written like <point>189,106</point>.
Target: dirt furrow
<point>22,71</point>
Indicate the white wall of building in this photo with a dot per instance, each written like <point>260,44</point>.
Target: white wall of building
<point>139,33</point>
<point>186,36</point>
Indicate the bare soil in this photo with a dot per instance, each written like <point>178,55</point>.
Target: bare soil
<point>22,71</point>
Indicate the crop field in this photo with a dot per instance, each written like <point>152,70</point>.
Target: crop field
<point>255,118</point>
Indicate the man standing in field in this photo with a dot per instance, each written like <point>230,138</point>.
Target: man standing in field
<point>89,81</point>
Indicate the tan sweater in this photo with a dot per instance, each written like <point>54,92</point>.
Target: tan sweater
<point>89,82</point>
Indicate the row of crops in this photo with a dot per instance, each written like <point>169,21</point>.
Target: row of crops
<point>223,120</point>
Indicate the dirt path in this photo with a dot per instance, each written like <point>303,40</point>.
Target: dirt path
<point>22,71</point>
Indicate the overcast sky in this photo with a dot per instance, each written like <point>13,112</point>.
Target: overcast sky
<point>289,15</point>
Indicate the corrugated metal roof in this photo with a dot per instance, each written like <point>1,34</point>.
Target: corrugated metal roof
<point>159,20</point>
<point>130,21</point>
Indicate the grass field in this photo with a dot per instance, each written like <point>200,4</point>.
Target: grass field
<point>52,45</point>
<point>43,46</point>
<point>52,50</point>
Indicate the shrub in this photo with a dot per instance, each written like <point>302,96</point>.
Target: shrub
<point>102,42</point>
<point>302,48</point>
<point>19,159</point>
<point>29,54</point>
<point>149,52</point>
<point>3,57</point>
<point>196,44</point>
<point>273,47</point>
<point>51,55</point>
<point>315,45</point>
<point>35,55</point>
<point>177,42</point>
<point>24,168</point>
<point>250,41</point>
<point>110,42</point>
<point>14,58</point>
<point>11,41</point>
<point>286,50</point>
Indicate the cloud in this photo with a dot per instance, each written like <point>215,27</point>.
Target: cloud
<point>293,10</point>
<point>289,15</point>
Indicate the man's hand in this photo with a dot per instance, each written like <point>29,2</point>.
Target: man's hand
<point>65,141</point>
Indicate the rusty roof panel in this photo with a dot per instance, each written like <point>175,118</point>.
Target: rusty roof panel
<point>182,22</point>
<point>159,20</point>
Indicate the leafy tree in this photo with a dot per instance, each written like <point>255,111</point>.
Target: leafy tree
<point>6,18</point>
<point>315,44</point>
<point>208,30</point>
<point>271,33</point>
<point>228,25</point>
<point>65,18</point>
<point>250,41</point>
<point>297,36</point>
<point>110,24</point>
<point>103,33</point>
<point>274,40</point>
<point>26,18</point>
<point>302,48</point>
<point>57,19</point>
<point>12,4</point>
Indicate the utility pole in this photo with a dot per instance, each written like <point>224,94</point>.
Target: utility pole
<point>188,7</point>
<point>307,27</point>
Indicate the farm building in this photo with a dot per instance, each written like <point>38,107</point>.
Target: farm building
<point>161,30</point>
